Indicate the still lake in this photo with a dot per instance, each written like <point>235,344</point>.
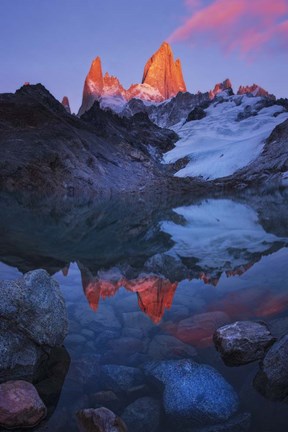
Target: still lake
<point>152,279</point>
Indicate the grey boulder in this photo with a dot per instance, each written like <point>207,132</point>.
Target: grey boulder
<point>33,320</point>
<point>242,342</point>
<point>272,379</point>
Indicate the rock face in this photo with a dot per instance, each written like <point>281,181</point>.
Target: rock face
<point>255,90</point>
<point>272,379</point>
<point>196,114</point>
<point>194,394</point>
<point>162,79</point>
<point>220,87</point>
<point>169,112</point>
<point>63,155</point>
<point>99,420</point>
<point>66,104</point>
<point>163,73</point>
<point>98,85</point>
<point>20,405</point>
<point>34,320</point>
<point>143,415</point>
<point>242,342</point>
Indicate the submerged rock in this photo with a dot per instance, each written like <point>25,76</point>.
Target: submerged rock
<point>272,379</point>
<point>194,394</point>
<point>20,405</point>
<point>99,420</point>
<point>121,378</point>
<point>143,415</point>
<point>34,320</point>
<point>239,423</point>
<point>168,347</point>
<point>242,342</point>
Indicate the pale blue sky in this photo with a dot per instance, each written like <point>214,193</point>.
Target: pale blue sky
<point>54,42</point>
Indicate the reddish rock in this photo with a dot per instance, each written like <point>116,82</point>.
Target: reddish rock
<point>254,89</point>
<point>155,295</point>
<point>144,92</point>
<point>112,86</point>
<point>198,330</point>
<point>93,86</point>
<point>95,288</point>
<point>66,104</point>
<point>162,79</point>
<point>99,420</point>
<point>163,73</point>
<point>20,405</point>
<point>220,87</point>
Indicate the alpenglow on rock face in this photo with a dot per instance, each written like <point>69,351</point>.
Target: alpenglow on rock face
<point>162,79</point>
<point>163,73</point>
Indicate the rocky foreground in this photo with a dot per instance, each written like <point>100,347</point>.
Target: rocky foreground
<point>166,384</point>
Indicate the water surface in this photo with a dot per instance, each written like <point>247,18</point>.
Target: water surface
<point>136,271</point>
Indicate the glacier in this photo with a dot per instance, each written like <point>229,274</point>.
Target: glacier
<point>220,144</point>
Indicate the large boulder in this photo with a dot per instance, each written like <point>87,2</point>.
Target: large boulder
<point>242,342</point>
<point>20,405</point>
<point>272,379</point>
<point>33,320</point>
<point>143,415</point>
<point>193,394</point>
<point>99,420</point>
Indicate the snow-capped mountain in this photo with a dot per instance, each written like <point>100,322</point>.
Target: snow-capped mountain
<point>162,79</point>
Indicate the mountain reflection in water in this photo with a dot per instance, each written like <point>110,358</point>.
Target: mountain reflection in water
<point>159,276</point>
<point>150,249</point>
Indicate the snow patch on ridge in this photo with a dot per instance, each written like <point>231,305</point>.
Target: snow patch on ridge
<point>218,234</point>
<point>220,144</point>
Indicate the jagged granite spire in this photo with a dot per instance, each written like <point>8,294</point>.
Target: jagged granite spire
<point>66,104</point>
<point>163,73</point>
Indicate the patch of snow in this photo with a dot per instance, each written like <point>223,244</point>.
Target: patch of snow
<point>145,92</point>
<point>115,103</point>
<point>218,234</point>
<point>219,144</point>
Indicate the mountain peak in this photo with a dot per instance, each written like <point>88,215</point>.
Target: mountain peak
<point>220,87</point>
<point>162,79</point>
<point>66,104</point>
<point>255,90</point>
<point>163,73</point>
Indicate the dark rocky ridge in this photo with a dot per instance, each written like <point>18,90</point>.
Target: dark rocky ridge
<point>138,130</point>
<point>170,112</point>
<point>47,150</point>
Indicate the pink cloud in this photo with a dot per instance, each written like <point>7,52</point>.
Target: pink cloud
<point>242,25</point>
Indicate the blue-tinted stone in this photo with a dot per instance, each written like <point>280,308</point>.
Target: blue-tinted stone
<point>194,394</point>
